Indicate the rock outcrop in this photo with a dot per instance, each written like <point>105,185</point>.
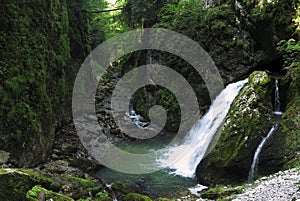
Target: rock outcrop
<point>42,45</point>
<point>247,122</point>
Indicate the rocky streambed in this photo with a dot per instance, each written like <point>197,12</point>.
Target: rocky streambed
<point>282,186</point>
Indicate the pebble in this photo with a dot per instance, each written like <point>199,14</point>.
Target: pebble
<point>281,186</point>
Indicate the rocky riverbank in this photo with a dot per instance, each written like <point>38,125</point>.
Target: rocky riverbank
<point>282,186</point>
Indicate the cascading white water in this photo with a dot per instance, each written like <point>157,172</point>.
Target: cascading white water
<point>199,137</point>
<point>277,99</point>
<point>254,164</point>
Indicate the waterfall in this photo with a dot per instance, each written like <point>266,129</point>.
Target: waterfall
<point>277,99</point>
<point>136,118</point>
<point>274,128</point>
<point>254,164</point>
<point>197,140</point>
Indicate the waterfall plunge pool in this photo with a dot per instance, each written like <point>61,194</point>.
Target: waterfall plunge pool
<point>162,183</point>
<point>176,175</point>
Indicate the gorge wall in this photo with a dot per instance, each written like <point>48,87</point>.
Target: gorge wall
<point>42,44</point>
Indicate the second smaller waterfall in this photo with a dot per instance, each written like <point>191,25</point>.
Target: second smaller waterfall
<point>254,164</point>
<point>274,128</point>
<point>277,104</point>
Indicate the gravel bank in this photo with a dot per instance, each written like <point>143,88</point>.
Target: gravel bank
<point>280,187</point>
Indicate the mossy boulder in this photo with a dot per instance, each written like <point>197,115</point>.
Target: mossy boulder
<point>16,182</point>
<point>248,120</point>
<point>136,197</point>
<point>121,187</point>
<point>33,195</point>
<point>85,164</point>
<point>162,199</point>
<point>220,191</point>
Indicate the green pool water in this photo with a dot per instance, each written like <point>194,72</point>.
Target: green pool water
<point>158,184</point>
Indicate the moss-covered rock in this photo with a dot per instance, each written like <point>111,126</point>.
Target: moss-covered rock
<point>38,66</point>
<point>162,199</point>
<point>220,191</point>
<point>33,195</point>
<point>103,199</point>
<point>15,183</point>
<point>248,120</point>
<point>121,187</point>
<point>85,164</point>
<point>136,197</point>
<point>290,122</point>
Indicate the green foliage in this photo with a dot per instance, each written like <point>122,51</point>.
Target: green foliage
<point>142,13</point>
<point>102,195</point>
<point>278,12</point>
<point>203,25</point>
<point>103,25</point>
<point>296,19</point>
<point>290,50</point>
<point>149,96</point>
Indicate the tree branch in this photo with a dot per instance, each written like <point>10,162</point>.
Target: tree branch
<point>103,11</point>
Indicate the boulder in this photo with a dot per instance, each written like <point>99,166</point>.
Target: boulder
<point>15,183</point>
<point>247,122</point>
<point>136,197</point>
<point>4,156</point>
<point>37,192</point>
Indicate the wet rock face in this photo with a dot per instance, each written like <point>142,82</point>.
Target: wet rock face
<point>39,57</point>
<point>248,120</point>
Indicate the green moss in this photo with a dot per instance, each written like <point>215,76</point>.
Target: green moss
<point>136,197</point>
<point>248,119</point>
<point>162,199</point>
<point>121,187</point>
<point>15,183</point>
<point>32,195</point>
<point>35,73</point>
<point>219,192</point>
<point>86,183</point>
<point>290,119</point>
<point>94,190</point>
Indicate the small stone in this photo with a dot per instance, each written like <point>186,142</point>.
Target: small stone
<point>4,156</point>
